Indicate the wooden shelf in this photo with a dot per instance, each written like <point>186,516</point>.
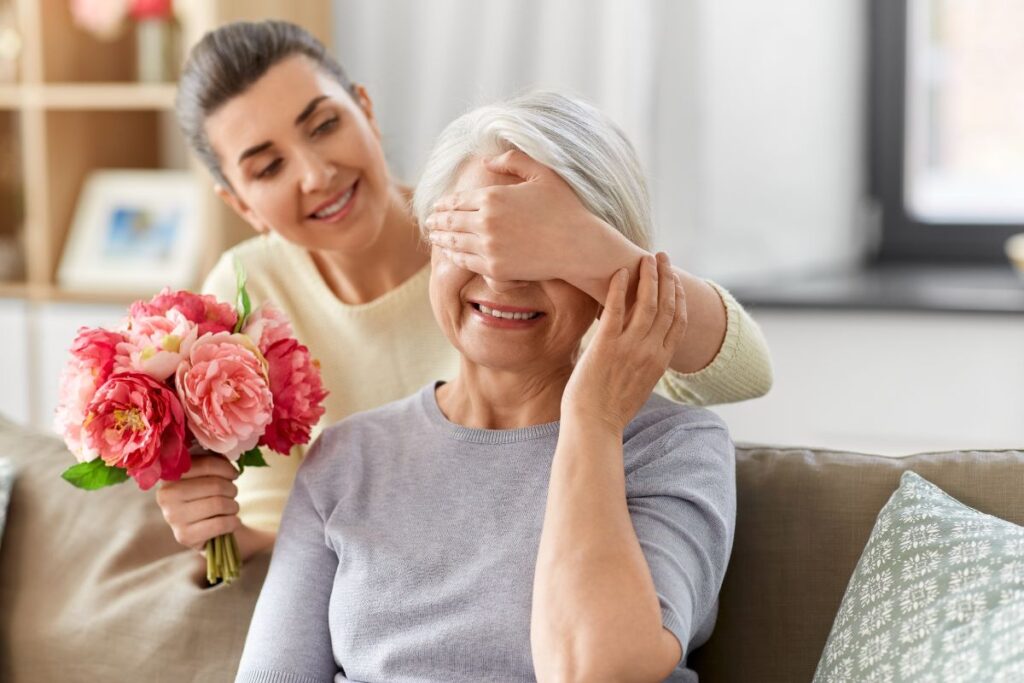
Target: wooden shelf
<point>84,96</point>
<point>10,97</point>
<point>77,108</point>
<point>55,294</point>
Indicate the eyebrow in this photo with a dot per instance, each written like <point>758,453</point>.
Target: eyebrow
<point>305,114</point>
<point>310,108</point>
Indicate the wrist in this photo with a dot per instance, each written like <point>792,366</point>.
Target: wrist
<point>607,251</point>
<point>253,542</point>
<point>591,423</point>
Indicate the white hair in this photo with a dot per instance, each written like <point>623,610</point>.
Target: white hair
<point>571,137</point>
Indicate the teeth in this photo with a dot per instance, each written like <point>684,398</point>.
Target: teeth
<point>508,315</point>
<point>336,206</point>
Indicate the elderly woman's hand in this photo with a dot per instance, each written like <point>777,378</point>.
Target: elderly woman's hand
<point>618,370</point>
<point>525,230</point>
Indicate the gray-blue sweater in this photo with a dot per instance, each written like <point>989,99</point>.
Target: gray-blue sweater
<point>407,548</point>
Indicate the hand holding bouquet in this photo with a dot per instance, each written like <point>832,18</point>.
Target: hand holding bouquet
<point>182,371</point>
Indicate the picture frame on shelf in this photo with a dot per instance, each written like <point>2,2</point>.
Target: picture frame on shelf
<point>135,230</point>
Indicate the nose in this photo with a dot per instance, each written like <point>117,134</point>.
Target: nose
<point>502,286</point>
<point>317,172</point>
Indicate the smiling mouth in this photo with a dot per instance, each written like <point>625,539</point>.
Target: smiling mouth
<point>338,205</point>
<point>506,315</point>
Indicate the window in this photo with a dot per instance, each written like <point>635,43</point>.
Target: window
<point>947,127</point>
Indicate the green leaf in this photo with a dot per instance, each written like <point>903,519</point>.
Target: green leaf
<point>251,458</point>
<point>242,303</point>
<point>94,474</point>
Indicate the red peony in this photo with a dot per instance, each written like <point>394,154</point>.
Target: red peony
<point>298,395</point>
<point>137,423</point>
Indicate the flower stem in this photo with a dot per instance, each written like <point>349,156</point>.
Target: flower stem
<point>211,572</point>
<point>230,556</point>
<point>218,555</point>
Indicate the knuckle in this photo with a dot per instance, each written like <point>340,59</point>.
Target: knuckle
<point>170,515</point>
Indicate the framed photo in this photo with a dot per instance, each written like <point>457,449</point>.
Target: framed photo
<point>135,230</point>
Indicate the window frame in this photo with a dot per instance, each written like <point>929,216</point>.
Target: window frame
<point>905,238</point>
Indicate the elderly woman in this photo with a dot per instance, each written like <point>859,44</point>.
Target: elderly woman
<point>542,515</point>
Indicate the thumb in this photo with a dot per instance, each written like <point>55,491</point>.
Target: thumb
<point>515,163</point>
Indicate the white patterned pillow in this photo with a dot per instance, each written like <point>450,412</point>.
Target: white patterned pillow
<point>6,484</point>
<point>937,595</point>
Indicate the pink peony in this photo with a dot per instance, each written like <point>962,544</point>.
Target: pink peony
<point>92,361</point>
<point>224,388</point>
<point>155,345</point>
<point>267,325</point>
<point>137,423</point>
<point>298,395</point>
<point>202,309</point>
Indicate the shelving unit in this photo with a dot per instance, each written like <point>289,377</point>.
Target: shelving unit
<point>75,107</point>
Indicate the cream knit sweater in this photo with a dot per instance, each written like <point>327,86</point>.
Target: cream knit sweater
<point>381,351</point>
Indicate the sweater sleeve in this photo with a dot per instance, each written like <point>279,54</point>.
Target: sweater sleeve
<point>741,370</point>
<point>289,639</point>
<point>682,502</point>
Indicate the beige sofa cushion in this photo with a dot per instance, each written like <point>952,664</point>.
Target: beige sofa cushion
<point>93,586</point>
<point>803,518</point>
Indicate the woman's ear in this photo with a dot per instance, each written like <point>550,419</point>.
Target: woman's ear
<point>362,98</point>
<point>241,208</point>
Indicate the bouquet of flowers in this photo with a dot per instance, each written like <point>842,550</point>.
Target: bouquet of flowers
<point>184,370</point>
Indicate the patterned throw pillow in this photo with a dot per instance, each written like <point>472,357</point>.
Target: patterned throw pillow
<point>6,483</point>
<point>937,595</point>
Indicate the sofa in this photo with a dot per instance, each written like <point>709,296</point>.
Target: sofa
<point>94,588</point>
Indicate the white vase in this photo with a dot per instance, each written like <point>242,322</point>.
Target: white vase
<point>154,51</point>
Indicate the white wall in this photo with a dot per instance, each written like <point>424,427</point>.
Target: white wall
<point>15,361</point>
<point>888,382</point>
